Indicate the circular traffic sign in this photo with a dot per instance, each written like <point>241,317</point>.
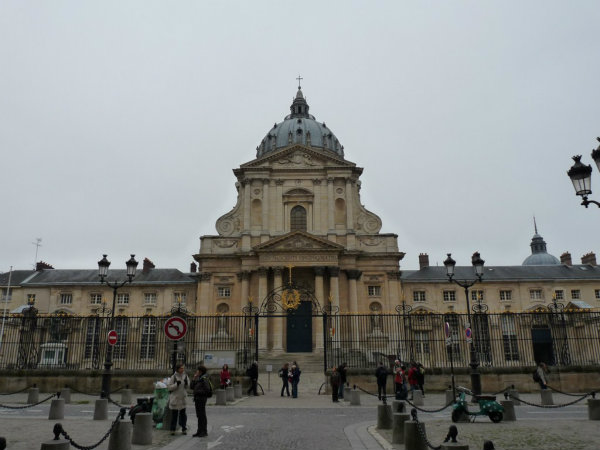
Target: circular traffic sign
<point>175,328</point>
<point>112,337</point>
<point>447,329</point>
<point>468,333</point>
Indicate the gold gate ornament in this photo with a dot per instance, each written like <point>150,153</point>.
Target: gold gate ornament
<point>290,299</point>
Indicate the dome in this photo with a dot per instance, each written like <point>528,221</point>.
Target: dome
<point>539,255</point>
<point>299,127</point>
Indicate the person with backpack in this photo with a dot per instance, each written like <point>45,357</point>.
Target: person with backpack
<point>421,378</point>
<point>252,372</point>
<point>335,381</point>
<point>540,375</point>
<point>202,392</point>
<point>399,381</point>
<point>343,371</point>
<point>284,374</point>
<point>177,386</point>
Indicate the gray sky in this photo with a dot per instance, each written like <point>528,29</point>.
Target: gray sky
<point>120,122</point>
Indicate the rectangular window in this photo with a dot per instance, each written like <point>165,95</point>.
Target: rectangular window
<point>6,295</point>
<point>179,297</point>
<point>476,294</point>
<point>374,291</point>
<point>120,348</point>
<point>123,299</point>
<point>575,294</point>
<point>535,294</point>
<point>66,299</point>
<point>224,291</point>
<point>148,347</point>
<point>150,298</point>
<point>92,339</point>
<point>96,299</point>
<point>559,294</point>
<point>449,296</point>
<point>30,299</point>
<point>419,296</point>
<point>509,338</point>
<point>422,347</point>
<point>597,294</point>
<point>505,295</point>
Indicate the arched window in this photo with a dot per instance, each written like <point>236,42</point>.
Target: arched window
<point>298,219</point>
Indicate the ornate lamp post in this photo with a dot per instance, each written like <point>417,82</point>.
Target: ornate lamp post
<point>581,177</point>
<point>103,265</point>
<point>466,284</point>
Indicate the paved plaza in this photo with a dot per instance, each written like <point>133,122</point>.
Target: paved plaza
<point>310,422</point>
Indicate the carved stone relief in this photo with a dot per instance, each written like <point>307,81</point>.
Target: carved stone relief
<point>370,241</point>
<point>231,222</point>
<point>297,159</point>
<point>226,243</point>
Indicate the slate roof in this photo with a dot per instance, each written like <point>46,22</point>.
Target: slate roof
<point>63,277</point>
<point>506,273</point>
<point>16,278</point>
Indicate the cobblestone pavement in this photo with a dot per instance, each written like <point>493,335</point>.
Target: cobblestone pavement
<point>311,421</point>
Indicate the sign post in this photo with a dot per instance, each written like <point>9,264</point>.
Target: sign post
<point>175,329</point>
<point>449,345</point>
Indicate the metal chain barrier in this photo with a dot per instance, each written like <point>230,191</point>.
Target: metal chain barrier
<point>413,413</point>
<point>429,410</point>
<point>59,430</point>
<point>17,392</point>
<point>551,406</point>
<point>561,392</point>
<point>81,392</point>
<point>503,390</point>
<point>28,406</point>
<point>117,403</point>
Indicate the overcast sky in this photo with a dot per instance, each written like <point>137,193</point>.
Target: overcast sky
<point>121,121</point>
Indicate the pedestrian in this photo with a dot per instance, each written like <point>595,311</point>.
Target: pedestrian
<point>335,381</point>
<point>412,378</point>
<point>421,377</point>
<point>225,376</point>
<point>284,374</point>
<point>542,373</point>
<point>252,372</point>
<point>295,379</point>
<point>381,374</point>
<point>343,370</point>
<point>202,390</point>
<point>177,386</point>
<point>399,380</point>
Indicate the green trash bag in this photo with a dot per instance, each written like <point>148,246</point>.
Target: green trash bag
<point>159,406</point>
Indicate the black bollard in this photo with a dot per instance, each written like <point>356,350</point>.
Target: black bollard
<point>488,445</point>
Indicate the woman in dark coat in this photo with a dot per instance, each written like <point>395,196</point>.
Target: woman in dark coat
<point>335,381</point>
<point>202,390</point>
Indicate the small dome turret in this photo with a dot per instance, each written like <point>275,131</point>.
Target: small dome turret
<point>539,255</point>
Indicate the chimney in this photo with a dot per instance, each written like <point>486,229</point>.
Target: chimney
<point>423,260</point>
<point>42,265</point>
<point>589,258</point>
<point>565,259</point>
<point>193,267</point>
<point>147,265</point>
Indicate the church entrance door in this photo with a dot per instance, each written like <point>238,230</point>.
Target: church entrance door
<point>299,328</point>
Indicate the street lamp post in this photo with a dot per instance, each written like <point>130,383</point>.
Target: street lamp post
<point>581,177</point>
<point>103,265</point>
<point>466,284</point>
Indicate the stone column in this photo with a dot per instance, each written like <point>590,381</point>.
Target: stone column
<point>349,205</point>
<point>353,276</point>
<point>262,293</point>
<point>247,188</point>
<point>244,277</point>
<point>279,200</point>
<point>320,294</point>
<point>205,291</point>
<point>330,206</point>
<point>394,288</point>
<point>265,206</point>
<point>334,291</point>
<point>317,226</point>
<point>278,321</point>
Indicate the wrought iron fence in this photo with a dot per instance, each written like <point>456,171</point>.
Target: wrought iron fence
<point>566,338</point>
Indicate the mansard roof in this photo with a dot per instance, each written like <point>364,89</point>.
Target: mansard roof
<point>437,274</point>
<point>57,277</point>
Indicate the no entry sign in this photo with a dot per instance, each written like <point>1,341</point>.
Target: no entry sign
<point>112,337</point>
<point>175,328</point>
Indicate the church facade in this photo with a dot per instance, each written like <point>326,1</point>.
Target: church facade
<point>298,219</point>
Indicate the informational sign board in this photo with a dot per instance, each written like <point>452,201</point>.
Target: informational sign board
<point>216,359</point>
<point>269,368</point>
<point>112,337</point>
<point>175,328</point>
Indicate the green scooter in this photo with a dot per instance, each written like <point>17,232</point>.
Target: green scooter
<point>488,406</point>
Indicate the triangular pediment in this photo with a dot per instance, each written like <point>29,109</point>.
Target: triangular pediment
<point>298,241</point>
<point>299,156</point>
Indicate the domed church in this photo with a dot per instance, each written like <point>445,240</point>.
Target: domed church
<point>298,219</point>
